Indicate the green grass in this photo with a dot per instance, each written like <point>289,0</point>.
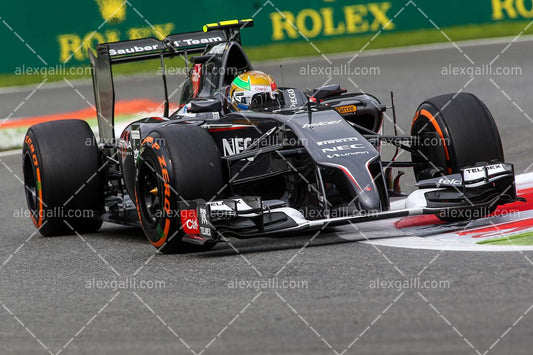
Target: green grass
<point>333,45</point>
<point>519,239</point>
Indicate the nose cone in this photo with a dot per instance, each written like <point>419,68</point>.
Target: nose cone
<point>369,200</point>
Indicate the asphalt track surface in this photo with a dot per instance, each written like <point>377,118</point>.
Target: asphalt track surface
<point>483,305</point>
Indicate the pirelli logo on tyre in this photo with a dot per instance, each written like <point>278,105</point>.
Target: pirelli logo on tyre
<point>163,232</point>
<point>30,149</point>
<point>164,173</point>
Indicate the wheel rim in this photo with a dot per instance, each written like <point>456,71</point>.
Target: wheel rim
<point>150,202</point>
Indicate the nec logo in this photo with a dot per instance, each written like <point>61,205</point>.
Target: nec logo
<point>237,145</point>
<point>343,147</point>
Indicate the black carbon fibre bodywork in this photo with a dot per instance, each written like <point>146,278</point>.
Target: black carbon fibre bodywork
<point>300,161</point>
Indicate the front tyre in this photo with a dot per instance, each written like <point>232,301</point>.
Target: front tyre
<point>454,131</point>
<point>177,163</point>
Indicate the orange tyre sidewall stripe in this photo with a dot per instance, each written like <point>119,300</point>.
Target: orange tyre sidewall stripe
<point>38,173</point>
<point>38,223</point>
<point>35,165</point>
<point>435,124</point>
<point>167,226</point>
<point>166,229</point>
<point>163,239</point>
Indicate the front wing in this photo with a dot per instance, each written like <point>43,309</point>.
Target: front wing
<point>473,193</point>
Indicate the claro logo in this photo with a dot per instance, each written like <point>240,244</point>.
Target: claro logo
<point>189,221</point>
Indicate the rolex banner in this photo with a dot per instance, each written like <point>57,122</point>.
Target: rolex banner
<point>43,34</point>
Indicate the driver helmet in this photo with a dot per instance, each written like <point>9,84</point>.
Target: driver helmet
<point>248,84</point>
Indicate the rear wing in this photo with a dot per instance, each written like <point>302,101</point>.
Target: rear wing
<point>108,54</point>
<point>152,48</point>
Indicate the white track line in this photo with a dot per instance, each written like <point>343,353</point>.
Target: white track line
<point>433,244</point>
<point>9,153</point>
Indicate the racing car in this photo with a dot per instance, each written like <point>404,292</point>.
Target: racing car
<point>288,161</point>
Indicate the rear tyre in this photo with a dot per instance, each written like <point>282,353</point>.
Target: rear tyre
<point>62,182</point>
<point>454,131</point>
<point>177,163</point>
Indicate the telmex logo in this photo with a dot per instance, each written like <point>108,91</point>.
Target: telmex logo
<point>474,170</point>
<point>359,18</point>
<point>495,167</point>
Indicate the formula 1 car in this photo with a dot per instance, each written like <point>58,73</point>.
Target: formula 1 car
<point>301,161</point>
